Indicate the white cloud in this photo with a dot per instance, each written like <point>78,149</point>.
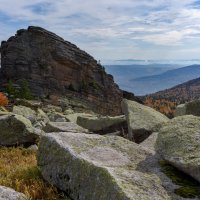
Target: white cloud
<point>157,22</point>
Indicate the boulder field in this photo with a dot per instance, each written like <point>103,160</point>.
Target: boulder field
<point>87,165</point>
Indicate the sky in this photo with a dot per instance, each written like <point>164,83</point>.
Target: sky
<point>113,29</point>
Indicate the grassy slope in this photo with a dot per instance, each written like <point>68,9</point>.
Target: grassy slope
<point>18,170</point>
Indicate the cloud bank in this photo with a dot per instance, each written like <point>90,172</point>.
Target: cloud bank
<point>141,29</point>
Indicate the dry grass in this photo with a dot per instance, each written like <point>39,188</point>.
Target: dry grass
<point>19,171</point>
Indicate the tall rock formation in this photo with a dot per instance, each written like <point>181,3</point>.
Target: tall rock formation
<point>52,65</point>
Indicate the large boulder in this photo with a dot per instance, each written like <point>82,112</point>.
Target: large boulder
<point>97,167</point>
<point>17,130</point>
<point>63,127</point>
<point>26,112</point>
<point>142,120</point>
<point>179,143</point>
<point>10,194</point>
<point>190,108</point>
<point>103,124</point>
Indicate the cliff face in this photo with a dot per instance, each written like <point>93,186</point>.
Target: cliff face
<point>54,66</point>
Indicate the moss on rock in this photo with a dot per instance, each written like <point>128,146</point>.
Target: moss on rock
<point>189,187</point>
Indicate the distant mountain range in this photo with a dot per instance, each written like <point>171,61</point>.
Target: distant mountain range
<point>147,79</point>
<point>184,92</point>
<point>168,79</point>
<point>124,73</point>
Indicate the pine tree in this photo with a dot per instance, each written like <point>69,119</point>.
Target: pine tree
<point>12,91</point>
<point>25,91</point>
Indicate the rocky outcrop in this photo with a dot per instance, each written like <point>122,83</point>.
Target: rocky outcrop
<point>54,66</point>
<point>17,130</point>
<point>142,120</point>
<point>63,127</point>
<point>98,167</point>
<point>190,108</point>
<point>179,143</point>
<point>104,124</point>
<point>10,194</point>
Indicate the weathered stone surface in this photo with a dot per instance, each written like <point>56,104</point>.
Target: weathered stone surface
<point>150,142</point>
<point>54,66</point>
<point>103,124</point>
<point>38,118</point>
<point>42,116</point>
<point>51,108</point>
<point>10,194</point>
<point>97,167</point>
<point>190,108</point>
<point>33,104</point>
<point>17,130</point>
<point>73,117</point>
<point>179,144</point>
<point>57,117</point>
<point>26,112</point>
<point>142,120</point>
<point>63,127</point>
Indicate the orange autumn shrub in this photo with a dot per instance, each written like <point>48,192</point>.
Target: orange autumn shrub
<point>3,99</point>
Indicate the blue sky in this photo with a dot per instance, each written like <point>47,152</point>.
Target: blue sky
<point>113,29</point>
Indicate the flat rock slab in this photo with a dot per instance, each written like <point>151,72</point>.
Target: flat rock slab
<point>97,167</point>
<point>94,123</point>
<point>179,143</point>
<point>142,120</point>
<point>10,194</point>
<point>63,127</point>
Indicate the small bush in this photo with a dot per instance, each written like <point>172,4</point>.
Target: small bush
<point>3,99</point>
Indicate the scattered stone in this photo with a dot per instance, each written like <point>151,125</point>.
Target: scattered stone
<point>51,108</point>
<point>142,120</point>
<point>179,144</point>
<point>57,117</point>
<point>190,108</point>
<point>33,147</point>
<point>17,130</point>
<point>63,127</point>
<point>89,166</point>
<point>42,116</point>
<point>68,111</point>
<point>10,194</point>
